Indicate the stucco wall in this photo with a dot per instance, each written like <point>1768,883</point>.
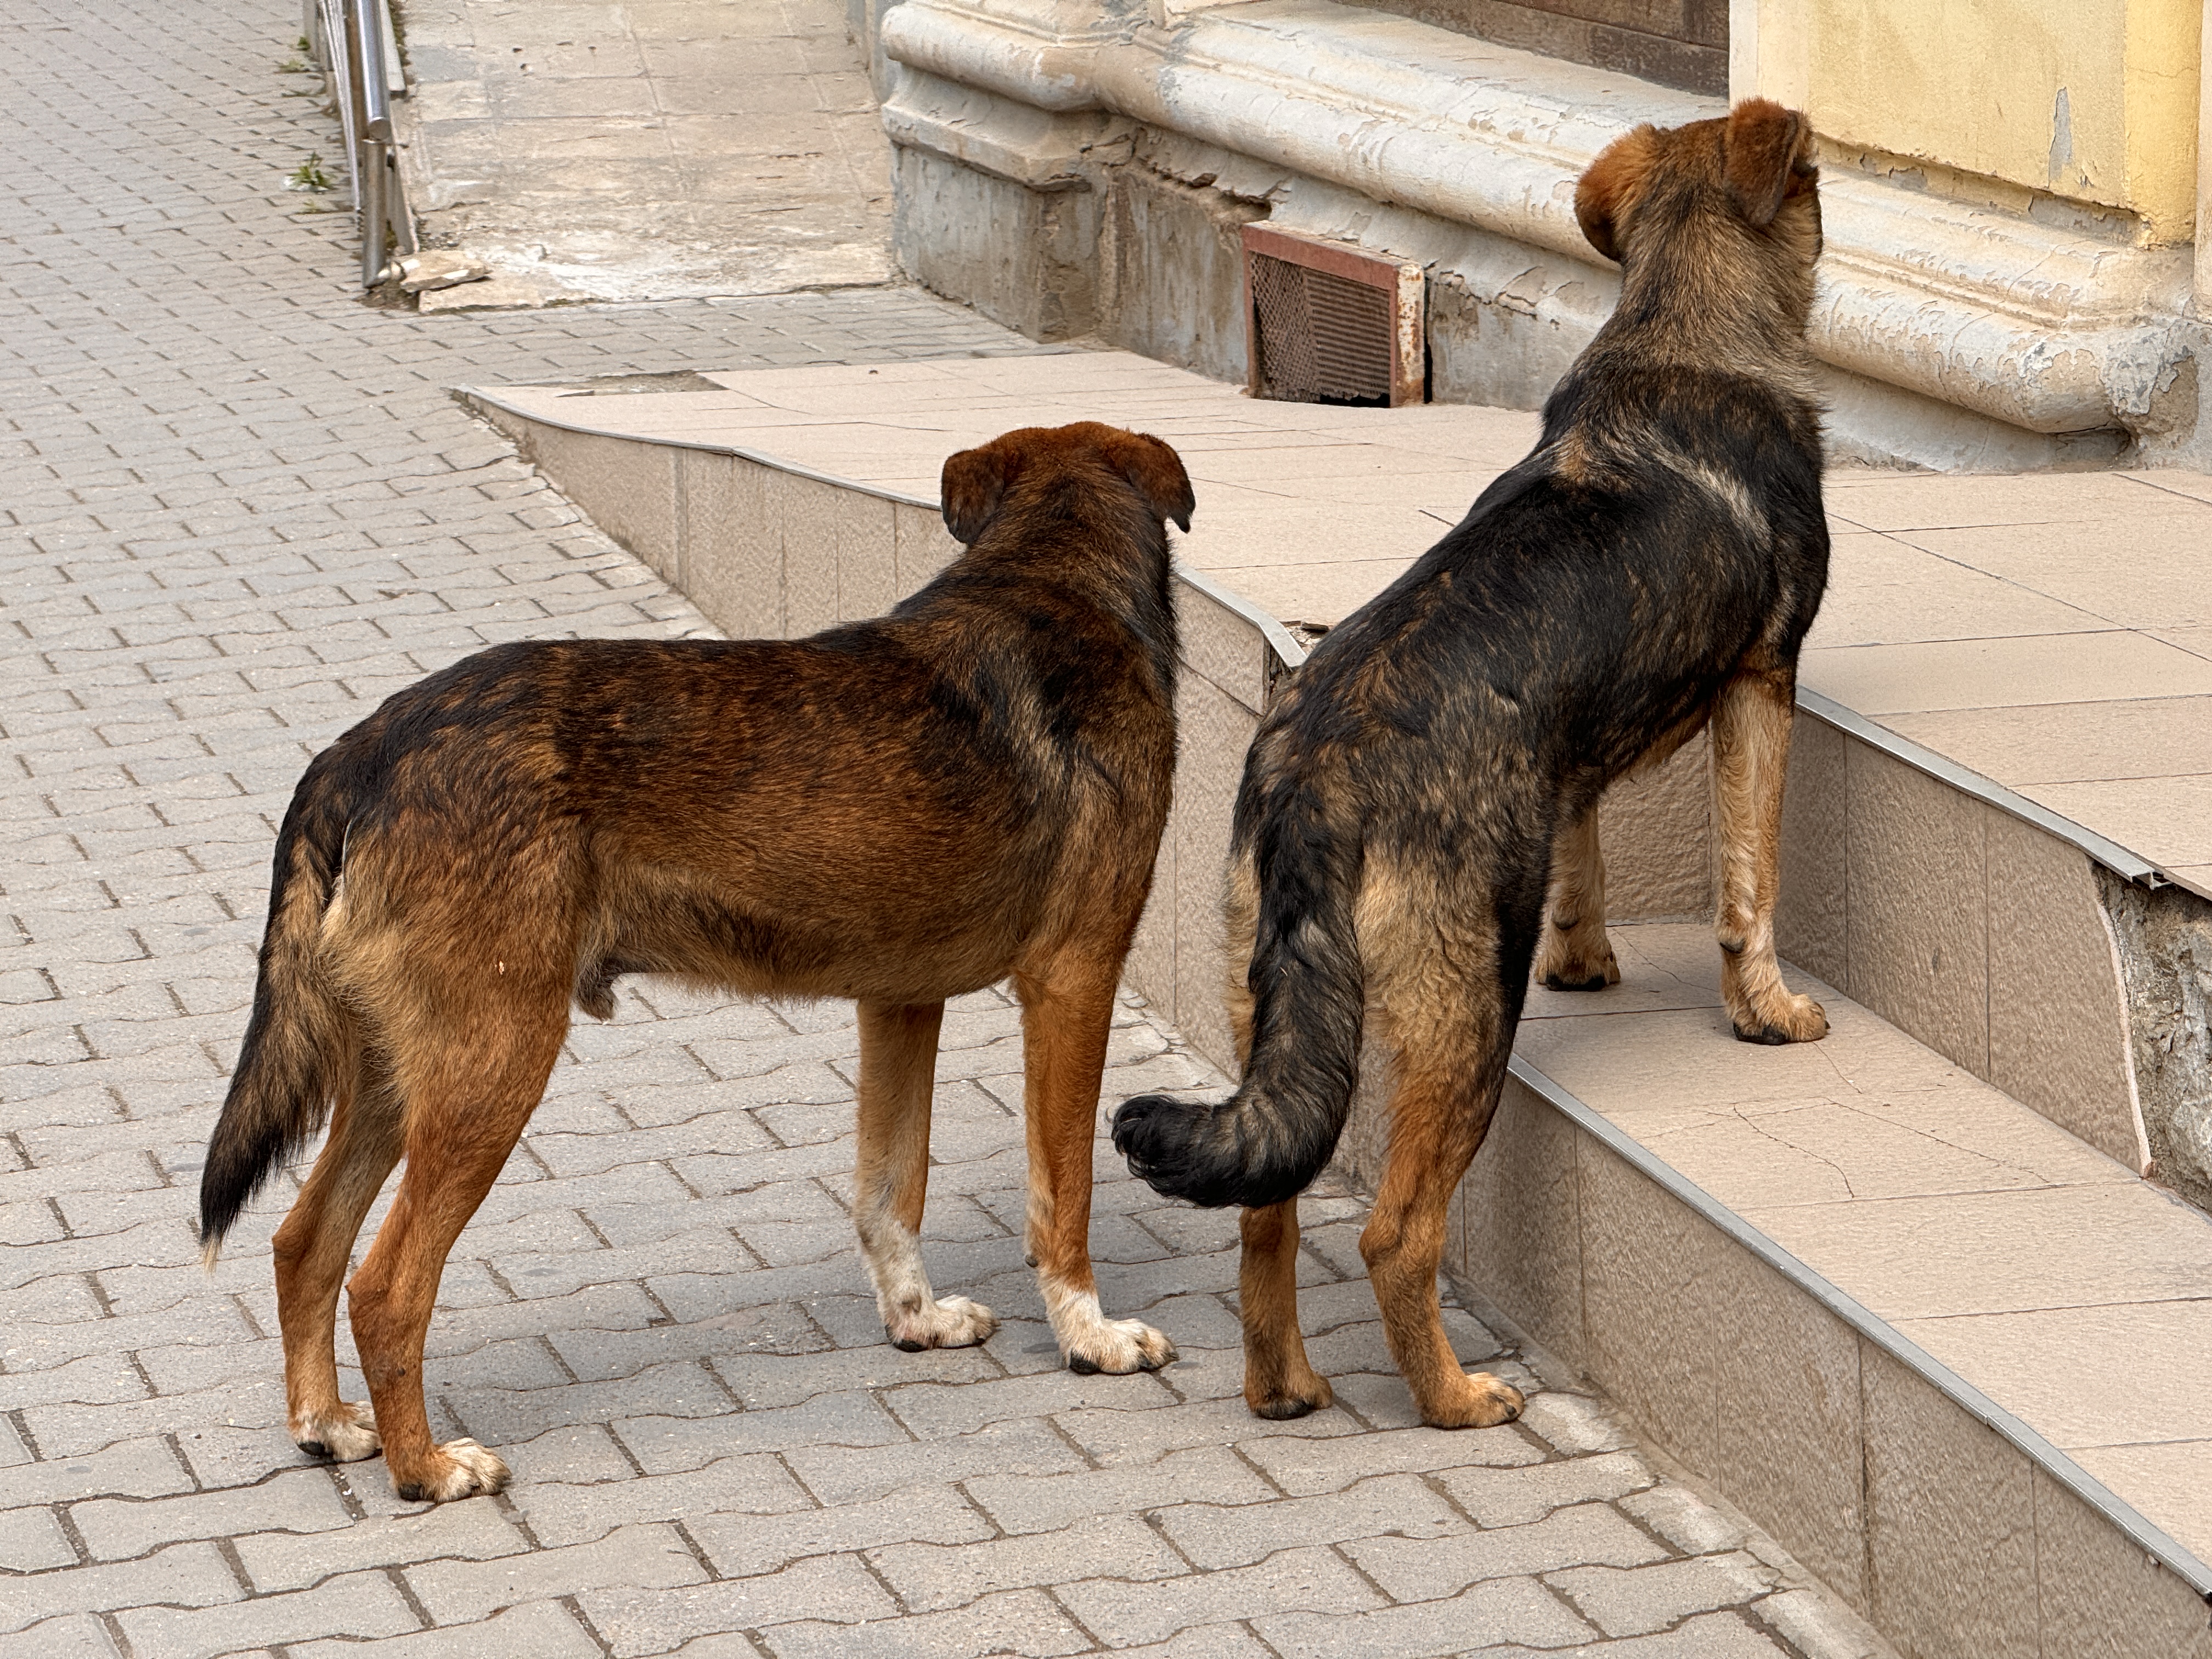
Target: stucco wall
<point>2091,101</point>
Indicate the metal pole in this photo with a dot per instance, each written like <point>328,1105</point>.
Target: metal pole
<point>375,130</point>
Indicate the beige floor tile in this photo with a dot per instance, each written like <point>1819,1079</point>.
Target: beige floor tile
<point>1816,1152</point>
<point>1881,591</point>
<point>1676,1058</point>
<point>1938,501</point>
<point>2195,485</point>
<point>2168,1482</point>
<point>2197,642</point>
<point>2042,1248</point>
<point>2196,877</point>
<point>2151,1376</point>
<point>2070,743</point>
<point>2166,820</point>
<point>2167,582</point>
<point>1322,593</point>
<point>1994,674</point>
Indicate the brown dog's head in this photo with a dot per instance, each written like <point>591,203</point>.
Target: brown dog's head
<point>978,482</point>
<point>1752,169</point>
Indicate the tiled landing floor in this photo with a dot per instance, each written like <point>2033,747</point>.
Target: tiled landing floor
<point>2052,632</point>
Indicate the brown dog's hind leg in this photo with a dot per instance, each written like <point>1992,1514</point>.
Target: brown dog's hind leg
<point>1279,1380</point>
<point>1066,1014</point>
<point>312,1249</point>
<point>1751,755</point>
<point>1575,954</point>
<point>470,1080</point>
<point>898,1065</point>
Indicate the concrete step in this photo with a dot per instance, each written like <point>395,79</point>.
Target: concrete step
<point>1828,1278</point>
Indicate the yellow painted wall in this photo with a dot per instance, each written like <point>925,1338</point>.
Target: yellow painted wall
<point>2094,100</point>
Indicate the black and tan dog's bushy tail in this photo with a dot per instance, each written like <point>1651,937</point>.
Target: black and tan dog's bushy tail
<point>1268,1141</point>
<point>299,1040</point>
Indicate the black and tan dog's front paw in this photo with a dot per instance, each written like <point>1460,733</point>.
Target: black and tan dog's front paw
<point>1786,1018</point>
<point>1278,1398</point>
<point>1578,958</point>
<point>1479,1401</point>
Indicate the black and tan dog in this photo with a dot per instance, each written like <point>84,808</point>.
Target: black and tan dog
<point>1649,569</point>
<point>969,789</point>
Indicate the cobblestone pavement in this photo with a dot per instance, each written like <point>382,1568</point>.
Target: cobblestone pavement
<point>239,508</point>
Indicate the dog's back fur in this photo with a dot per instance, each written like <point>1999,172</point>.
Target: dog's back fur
<point>1393,833</point>
<point>897,811</point>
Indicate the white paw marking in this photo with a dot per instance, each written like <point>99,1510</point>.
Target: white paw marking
<point>476,1469</point>
<point>951,1322</point>
<point>345,1438</point>
<point>1090,1342</point>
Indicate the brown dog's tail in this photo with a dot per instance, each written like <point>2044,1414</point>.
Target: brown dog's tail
<point>299,1041</point>
<point>1268,1141</point>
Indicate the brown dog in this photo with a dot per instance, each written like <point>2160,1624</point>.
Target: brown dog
<point>1651,568</point>
<point>969,789</point>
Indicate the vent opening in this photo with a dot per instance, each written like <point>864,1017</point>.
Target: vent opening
<point>1328,323</point>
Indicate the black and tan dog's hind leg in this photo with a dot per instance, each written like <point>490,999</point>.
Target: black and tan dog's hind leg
<point>1448,1024</point>
<point>1279,1381</point>
<point>1751,755</point>
<point>898,1067</point>
<point>1575,954</point>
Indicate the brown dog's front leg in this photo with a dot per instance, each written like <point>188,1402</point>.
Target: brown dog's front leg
<point>1066,1020</point>
<point>1751,758</point>
<point>1575,954</point>
<point>1278,1382</point>
<point>898,1067</point>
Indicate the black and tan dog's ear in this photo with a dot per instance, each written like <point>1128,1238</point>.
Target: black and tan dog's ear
<point>1158,472</point>
<point>1768,146</point>
<point>1606,194</point>
<point>974,484</point>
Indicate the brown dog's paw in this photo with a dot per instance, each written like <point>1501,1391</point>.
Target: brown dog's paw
<point>1794,1019</point>
<point>458,1469</point>
<point>1278,1402</point>
<point>345,1435</point>
<point>1482,1402</point>
<point>951,1321</point>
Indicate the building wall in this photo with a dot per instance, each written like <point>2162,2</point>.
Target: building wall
<point>2090,101</point>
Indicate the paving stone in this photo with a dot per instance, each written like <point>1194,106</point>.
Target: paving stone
<point>295,1500</point>
<point>360,1604</point>
<point>648,1558</point>
<point>535,1629</point>
<point>1711,1636</point>
<point>1296,1580</point>
<point>1400,1505</point>
<point>186,1575</point>
<point>294,1561</point>
<point>744,1546</point>
<point>1685,1520</point>
<point>1483,1618</point>
<point>929,1576</point>
<point>1045,1502</point>
<point>31,1540</point>
<point>752,1485</point>
<point>71,1636</point>
<point>1514,1497</point>
<point>1413,1570</point>
<point>831,1588</point>
<point>1020,1621</point>
<point>1639,1601</point>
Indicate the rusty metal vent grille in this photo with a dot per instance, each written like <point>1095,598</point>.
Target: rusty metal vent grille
<point>1329,323</point>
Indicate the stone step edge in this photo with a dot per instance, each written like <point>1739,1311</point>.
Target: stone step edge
<point>2151,1538</point>
<point>1290,653</point>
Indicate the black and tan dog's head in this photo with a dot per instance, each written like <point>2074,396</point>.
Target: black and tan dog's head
<point>1740,194</point>
<point>979,483</point>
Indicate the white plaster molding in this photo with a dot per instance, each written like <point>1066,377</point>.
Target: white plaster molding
<point>2036,325</point>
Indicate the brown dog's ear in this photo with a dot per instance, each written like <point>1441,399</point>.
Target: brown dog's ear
<point>1157,471</point>
<point>1763,145</point>
<point>974,483</point>
<point>1607,191</point>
